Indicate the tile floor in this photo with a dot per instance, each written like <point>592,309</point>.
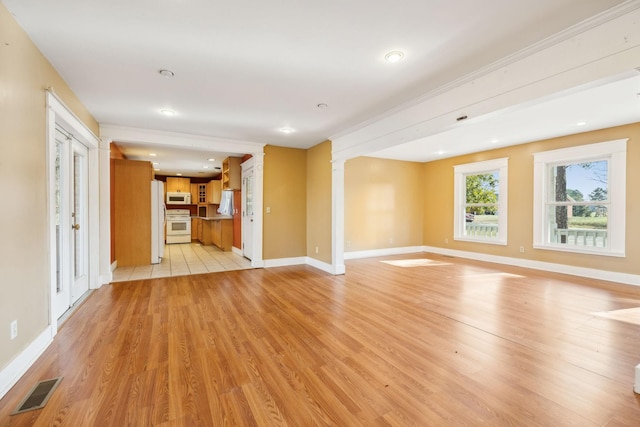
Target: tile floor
<point>182,259</point>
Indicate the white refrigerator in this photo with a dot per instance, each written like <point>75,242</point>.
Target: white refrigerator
<point>158,220</point>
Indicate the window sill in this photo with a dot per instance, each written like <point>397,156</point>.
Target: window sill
<point>490,242</point>
<point>579,250</point>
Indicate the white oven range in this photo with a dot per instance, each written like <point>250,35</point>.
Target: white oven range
<point>178,226</point>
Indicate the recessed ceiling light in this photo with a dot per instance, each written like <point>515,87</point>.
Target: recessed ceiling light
<point>494,141</point>
<point>212,159</point>
<point>581,123</point>
<point>394,56</point>
<point>322,106</point>
<point>152,154</point>
<point>166,73</point>
<point>156,163</point>
<point>156,169</point>
<point>179,174</point>
<point>287,130</point>
<point>205,167</point>
<point>167,112</point>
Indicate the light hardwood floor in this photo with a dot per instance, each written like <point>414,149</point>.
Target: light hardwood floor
<point>418,340</point>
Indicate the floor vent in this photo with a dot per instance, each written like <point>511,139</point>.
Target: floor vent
<point>38,396</point>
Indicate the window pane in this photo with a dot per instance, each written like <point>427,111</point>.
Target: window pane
<point>484,224</point>
<point>580,181</point>
<point>578,225</point>
<point>482,188</point>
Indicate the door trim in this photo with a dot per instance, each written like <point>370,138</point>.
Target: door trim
<point>257,160</point>
<point>58,113</point>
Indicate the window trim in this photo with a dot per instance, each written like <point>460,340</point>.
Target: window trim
<point>477,168</point>
<point>616,152</point>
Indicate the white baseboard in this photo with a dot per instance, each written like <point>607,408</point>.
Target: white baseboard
<point>236,251</point>
<point>612,276</point>
<point>303,260</point>
<point>284,262</point>
<point>383,252</point>
<point>592,273</point>
<point>320,265</point>
<point>114,265</point>
<point>11,373</point>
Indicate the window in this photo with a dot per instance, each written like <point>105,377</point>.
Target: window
<point>579,199</point>
<point>480,211</point>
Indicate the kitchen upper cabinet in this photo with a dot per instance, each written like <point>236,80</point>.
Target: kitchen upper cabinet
<point>178,185</point>
<point>231,173</point>
<point>214,192</point>
<point>202,194</point>
<point>199,193</point>
<point>194,193</point>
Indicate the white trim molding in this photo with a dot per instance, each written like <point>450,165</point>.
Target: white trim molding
<point>569,59</point>
<point>382,252</point>
<point>11,373</point>
<point>285,262</point>
<point>57,113</point>
<point>615,152</point>
<point>590,273</point>
<point>460,198</point>
<point>177,139</point>
<point>337,216</point>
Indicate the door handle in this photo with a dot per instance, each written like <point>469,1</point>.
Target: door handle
<point>76,227</point>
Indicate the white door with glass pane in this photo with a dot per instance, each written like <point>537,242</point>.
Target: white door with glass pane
<point>247,209</point>
<point>72,238</point>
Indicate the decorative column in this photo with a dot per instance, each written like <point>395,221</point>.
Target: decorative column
<point>337,216</point>
<point>104,164</point>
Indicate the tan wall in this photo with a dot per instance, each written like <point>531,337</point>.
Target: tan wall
<point>438,199</point>
<point>285,193</point>
<point>383,204</point>
<point>24,255</point>
<point>319,202</point>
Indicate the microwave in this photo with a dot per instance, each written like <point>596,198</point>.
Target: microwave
<point>178,198</point>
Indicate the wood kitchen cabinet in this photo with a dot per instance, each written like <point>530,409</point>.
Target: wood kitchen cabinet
<point>195,224</point>
<point>218,232</point>
<point>201,196</point>
<point>206,232</point>
<point>231,173</point>
<point>194,193</point>
<point>214,192</point>
<point>178,185</point>
<point>223,234</point>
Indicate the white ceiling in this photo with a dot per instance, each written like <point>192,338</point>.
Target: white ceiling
<point>245,69</point>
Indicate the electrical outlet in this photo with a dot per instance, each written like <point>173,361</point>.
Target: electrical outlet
<point>521,249</point>
<point>14,329</point>
<point>268,209</point>
<point>446,240</point>
<point>316,249</point>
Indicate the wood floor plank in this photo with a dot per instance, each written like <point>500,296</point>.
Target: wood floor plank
<point>445,341</point>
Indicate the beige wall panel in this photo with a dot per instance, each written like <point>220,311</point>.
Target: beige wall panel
<point>438,199</point>
<point>319,202</point>
<point>24,255</point>
<point>383,204</point>
<point>285,194</point>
